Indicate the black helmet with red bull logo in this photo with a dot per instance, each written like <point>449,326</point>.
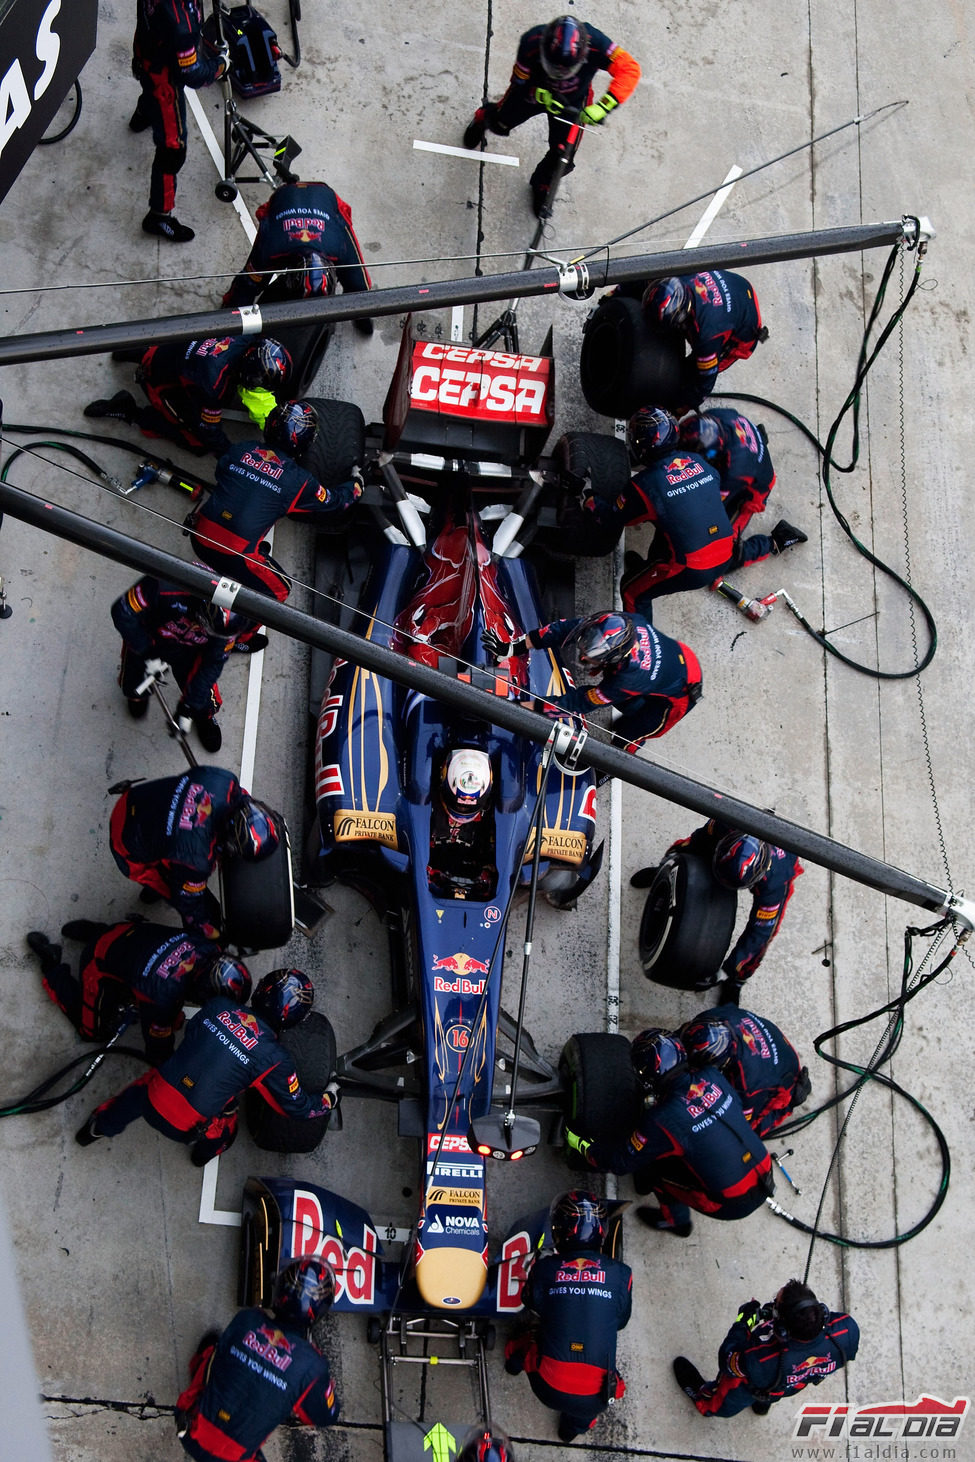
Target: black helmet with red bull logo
<point>486,1444</point>
<point>740,860</point>
<point>222,975</point>
<point>313,277</point>
<point>265,366</point>
<point>708,1042</point>
<point>577,1220</point>
<point>651,430</point>
<point>658,1059</point>
<point>252,831</point>
<point>283,998</point>
<point>668,302</point>
<point>304,1291</point>
<point>291,427</point>
<point>564,48</point>
<point>603,640</point>
<point>218,623</point>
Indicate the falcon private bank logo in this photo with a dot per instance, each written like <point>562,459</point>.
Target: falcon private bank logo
<point>889,1431</point>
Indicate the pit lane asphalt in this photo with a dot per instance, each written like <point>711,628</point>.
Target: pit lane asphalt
<point>119,1275</point>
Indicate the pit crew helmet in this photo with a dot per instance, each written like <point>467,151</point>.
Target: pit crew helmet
<point>252,832</point>
<point>658,1060</point>
<point>564,48</point>
<point>217,623</point>
<point>604,639</point>
<point>266,366</point>
<point>668,302</point>
<point>577,1220</point>
<point>291,427</point>
<point>283,998</point>
<point>704,435</point>
<point>740,861</point>
<point>467,781</point>
<point>304,1291</point>
<point>485,1444</point>
<point>312,276</point>
<point>650,430</point>
<point>222,975</point>
<point>707,1042</point>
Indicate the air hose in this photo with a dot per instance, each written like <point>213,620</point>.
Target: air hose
<point>39,1099</point>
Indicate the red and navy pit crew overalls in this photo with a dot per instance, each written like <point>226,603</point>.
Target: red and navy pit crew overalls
<point>261,1372</point>
<point>764,1068</point>
<point>188,387</point>
<point>520,101</point>
<point>654,687</point>
<point>152,967</point>
<point>581,1300</point>
<point>255,487</point>
<point>297,219</point>
<point>192,1097</point>
<point>725,325</point>
<point>756,1365</point>
<point>166,834</point>
<point>155,619</point>
<point>168,54</point>
<point>693,1149</point>
<point>747,477</point>
<point>769,899</point>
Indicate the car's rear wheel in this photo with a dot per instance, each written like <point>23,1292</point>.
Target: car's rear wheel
<point>311,1046</point>
<point>258,902</point>
<point>626,362</point>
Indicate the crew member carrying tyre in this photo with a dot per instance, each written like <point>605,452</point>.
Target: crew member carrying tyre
<point>553,73</point>
<point>256,485</point>
<point>692,1148</point>
<point>152,968</point>
<point>753,1054</point>
<point>170,834</point>
<point>651,679</point>
<point>740,861</point>
<point>263,1370</point>
<point>305,227</point>
<point>772,1351</point>
<point>168,55</point>
<point>579,1299</point>
<point>226,1048</point>
<point>717,314</point>
<point>162,625</point>
<point>189,386</point>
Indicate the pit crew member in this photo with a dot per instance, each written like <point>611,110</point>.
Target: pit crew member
<point>716,312</point>
<point>753,1054</point>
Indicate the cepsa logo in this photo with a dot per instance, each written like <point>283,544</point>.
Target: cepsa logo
<point>888,1421</point>
<point>16,100</point>
<point>480,383</point>
<point>355,1268</point>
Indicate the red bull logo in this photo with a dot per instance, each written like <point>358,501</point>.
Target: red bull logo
<point>462,964</point>
<point>242,1025</point>
<point>271,1345</point>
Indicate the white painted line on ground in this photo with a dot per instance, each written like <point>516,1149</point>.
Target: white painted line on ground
<point>511,162</point>
<point>216,152</point>
<point>714,207</point>
<point>208,1194</point>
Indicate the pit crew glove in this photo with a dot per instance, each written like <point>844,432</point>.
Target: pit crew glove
<point>580,1144</point>
<point>257,402</point>
<point>551,103</point>
<point>331,1096</point>
<point>358,484</point>
<point>156,668</point>
<point>184,718</point>
<point>503,649</point>
<point>750,1314</point>
<point>597,112</point>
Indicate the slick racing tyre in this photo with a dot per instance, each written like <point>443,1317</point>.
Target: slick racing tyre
<point>340,443</point>
<point>258,899</point>
<point>626,363</point>
<point>606,464</point>
<point>687,924</point>
<point>311,1046</point>
<point>600,1088</point>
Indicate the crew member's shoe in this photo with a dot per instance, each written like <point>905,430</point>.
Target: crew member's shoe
<point>49,954</point>
<point>784,535</point>
<point>568,1429</point>
<point>139,122</point>
<point>729,992</point>
<point>761,1408</point>
<point>688,1377</point>
<point>653,1218</point>
<point>476,130</point>
<point>122,407</point>
<point>643,877</point>
<point>211,737</point>
<point>88,1132</point>
<point>137,705</point>
<point>167,226</point>
<point>363,325</point>
<point>83,930</point>
<point>253,646</point>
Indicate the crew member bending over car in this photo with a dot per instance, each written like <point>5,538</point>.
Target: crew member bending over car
<point>226,1048</point>
<point>170,834</point>
<point>578,1299</point>
<point>692,1146</point>
<point>151,967</point>
<point>651,679</point>
<point>553,73</point>
<point>740,861</point>
<point>189,386</point>
<point>262,1371</point>
<point>754,1055</point>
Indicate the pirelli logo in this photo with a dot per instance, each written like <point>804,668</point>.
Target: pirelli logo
<point>455,1197</point>
<point>369,827</point>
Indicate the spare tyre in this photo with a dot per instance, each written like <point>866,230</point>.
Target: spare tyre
<point>687,923</point>
<point>311,1046</point>
<point>626,362</point>
<point>258,898</point>
<point>602,1094</point>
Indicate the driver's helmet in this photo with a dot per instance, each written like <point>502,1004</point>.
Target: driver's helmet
<point>650,430</point>
<point>291,427</point>
<point>565,46</point>
<point>312,276</point>
<point>668,302</point>
<point>222,975</point>
<point>577,1220</point>
<point>486,1444</point>
<point>658,1060</point>
<point>467,780</point>
<point>265,366</point>
<point>603,640</point>
<point>708,1042</point>
<point>740,860</point>
<point>304,1291</point>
